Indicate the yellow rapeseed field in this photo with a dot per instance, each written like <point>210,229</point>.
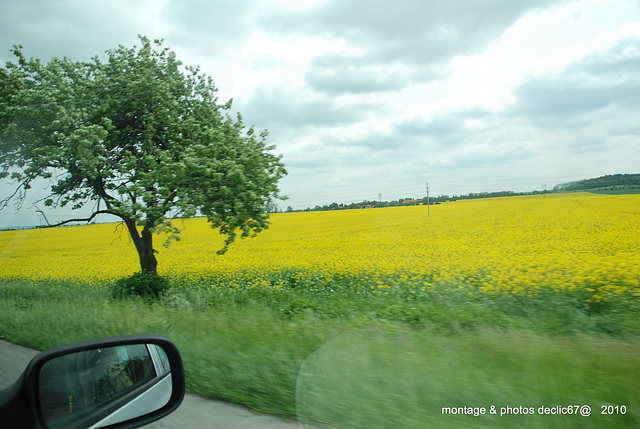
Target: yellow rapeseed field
<point>521,245</point>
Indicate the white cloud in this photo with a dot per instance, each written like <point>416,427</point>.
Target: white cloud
<point>365,97</point>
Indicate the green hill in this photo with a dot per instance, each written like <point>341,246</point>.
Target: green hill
<point>609,184</point>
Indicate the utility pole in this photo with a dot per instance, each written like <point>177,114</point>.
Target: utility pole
<point>428,209</point>
<point>380,198</point>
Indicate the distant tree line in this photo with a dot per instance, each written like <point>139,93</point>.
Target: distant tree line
<point>409,201</point>
<point>611,180</point>
<point>620,180</point>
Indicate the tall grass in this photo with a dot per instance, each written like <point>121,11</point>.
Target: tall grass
<point>331,352</point>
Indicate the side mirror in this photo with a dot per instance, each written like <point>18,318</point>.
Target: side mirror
<point>119,382</point>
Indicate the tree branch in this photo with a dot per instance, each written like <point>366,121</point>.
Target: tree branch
<point>88,219</point>
<point>20,191</point>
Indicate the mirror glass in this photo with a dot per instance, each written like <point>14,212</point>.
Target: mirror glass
<point>103,386</point>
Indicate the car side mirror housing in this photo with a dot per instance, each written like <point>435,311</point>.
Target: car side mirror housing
<point>118,382</point>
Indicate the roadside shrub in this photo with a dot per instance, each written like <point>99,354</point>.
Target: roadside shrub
<point>144,285</point>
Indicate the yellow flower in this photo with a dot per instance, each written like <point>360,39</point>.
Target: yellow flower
<point>566,243</point>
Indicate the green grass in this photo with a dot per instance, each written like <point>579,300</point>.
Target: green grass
<point>333,352</point>
<point>403,378</point>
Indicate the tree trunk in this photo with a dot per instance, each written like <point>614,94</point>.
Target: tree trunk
<point>144,245</point>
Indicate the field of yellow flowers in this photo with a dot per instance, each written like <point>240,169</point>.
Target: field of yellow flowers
<point>579,243</point>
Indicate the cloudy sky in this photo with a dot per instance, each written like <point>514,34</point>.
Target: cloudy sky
<point>378,97</point>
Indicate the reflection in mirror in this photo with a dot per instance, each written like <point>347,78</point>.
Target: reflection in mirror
<point>99,387</point>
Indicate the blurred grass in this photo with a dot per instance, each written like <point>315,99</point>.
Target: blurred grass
<point>381,377</point>
<point>336,355</point>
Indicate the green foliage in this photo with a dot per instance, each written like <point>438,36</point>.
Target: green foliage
<point>143,285</point>
<point>297,306</point>
<point>138,137</point>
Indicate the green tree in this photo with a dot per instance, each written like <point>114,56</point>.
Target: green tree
<point>139,137</point>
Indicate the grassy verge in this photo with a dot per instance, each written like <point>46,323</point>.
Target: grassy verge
<point>333,352</point>
<point>403,378</point>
